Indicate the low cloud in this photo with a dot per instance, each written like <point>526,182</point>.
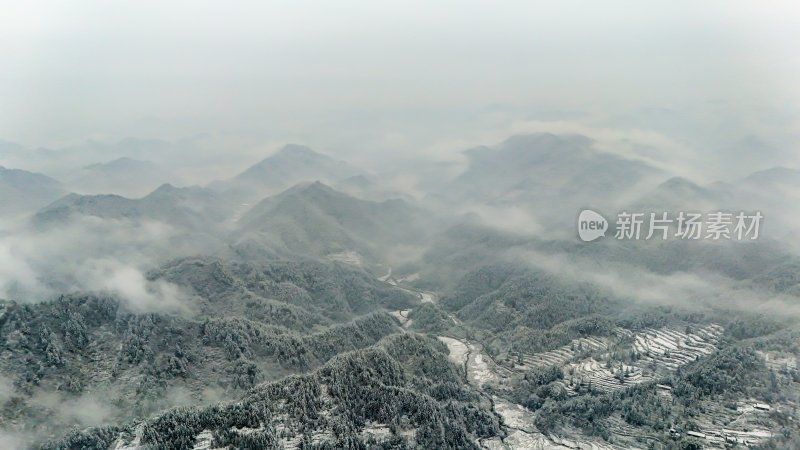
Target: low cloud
<point>84,411</point>
<point>90,254</point>
<point>683,289</point>
<point>12,439</point>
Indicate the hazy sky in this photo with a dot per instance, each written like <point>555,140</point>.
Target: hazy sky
<point>110,69</point>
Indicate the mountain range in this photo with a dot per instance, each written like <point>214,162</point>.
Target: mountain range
<point>304,303</point>
<point>22,191</point>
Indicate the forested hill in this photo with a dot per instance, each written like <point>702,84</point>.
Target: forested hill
<point>242,324</point>
<point>401,393</point>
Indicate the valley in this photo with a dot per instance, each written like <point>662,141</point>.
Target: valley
<point>587,366</point>
<point>312,319</point>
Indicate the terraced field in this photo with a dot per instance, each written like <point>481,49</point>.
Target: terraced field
<point>594,375</point>
<point>663,349</point>
<point>670,348</point>
<point>563,355</point>
<point>589,361</point>
<point>780,361</point>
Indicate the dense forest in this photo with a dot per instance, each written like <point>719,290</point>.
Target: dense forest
<point>405,384</point>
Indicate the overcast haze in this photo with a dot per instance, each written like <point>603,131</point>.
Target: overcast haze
<point>400,76</point>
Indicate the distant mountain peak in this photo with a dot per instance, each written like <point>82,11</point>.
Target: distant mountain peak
<point>684,186</point>
<point>534,147</point>
<point>774,176</point>
<point>98,205</point>
<point>309,189</point>
<point>165,188</point>
<point>25,179</point>
<point>290,166</point>
<point>779,171</point>
<point>360,180</point>
<point>545,139</point>
<point>297,149</point>
<point>123,159</point>
<point>121,163</point>
<point>680,182</point>
<point>289,154</point>
<point>318,185</point>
